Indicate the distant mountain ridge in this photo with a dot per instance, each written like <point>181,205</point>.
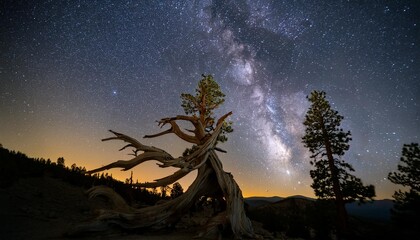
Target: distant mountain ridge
<point>270,199</point>
<point>261,201</point>
<point>377,210</point>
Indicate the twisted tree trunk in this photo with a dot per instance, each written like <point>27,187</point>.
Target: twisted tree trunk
<point>210,179</point>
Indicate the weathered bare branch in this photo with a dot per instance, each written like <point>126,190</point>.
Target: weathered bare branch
<point>192,119</point>
<point>186,137</point>
<point>170,130</point>
<point>199,131</point>
<point>199,128</point>
<point>128,164</point>
<point>189,130</point>
<point>151,153</point>
<point>220,150</point>
<point>166,180</point>
<point>221,119</point>
<point>188,163</point>
<point>166,160</point>
<point>174,129</point>
<point>132,143</point>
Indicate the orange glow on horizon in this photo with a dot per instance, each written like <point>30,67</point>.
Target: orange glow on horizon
<point>79,149</point>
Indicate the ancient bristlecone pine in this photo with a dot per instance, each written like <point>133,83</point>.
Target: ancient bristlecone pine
<point>211,178</point>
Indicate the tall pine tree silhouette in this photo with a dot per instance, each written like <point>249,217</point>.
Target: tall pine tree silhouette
<point>327,143</point>
<point>406,210</point>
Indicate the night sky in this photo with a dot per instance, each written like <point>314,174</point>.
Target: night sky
<point>71,70</point>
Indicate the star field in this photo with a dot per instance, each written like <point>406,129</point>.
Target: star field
<point>71,70</point>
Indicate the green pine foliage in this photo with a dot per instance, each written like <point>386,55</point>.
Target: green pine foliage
<point>406,210</point>
<point>208,97</point>
<point>323,134</point>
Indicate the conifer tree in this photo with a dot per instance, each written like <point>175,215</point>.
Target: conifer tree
<point>176,190</point>
<point>406,210</point>
<point>208,96</point>
<point>327,143</point>
<point>60,161</point>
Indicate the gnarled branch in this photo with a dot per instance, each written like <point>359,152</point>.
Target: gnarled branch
<point>190,162</point>
<point>132,143</point>
<point>166,180</point>
<point>222,119</point>
<point>174,129</point>
<point>186,164</point>
<point>128,164</point>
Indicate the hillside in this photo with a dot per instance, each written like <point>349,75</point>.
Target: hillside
<point>41,208</point>
<point>47,208</point>
<point>40,199</point>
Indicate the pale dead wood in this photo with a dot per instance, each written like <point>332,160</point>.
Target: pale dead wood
<point>210,179</point>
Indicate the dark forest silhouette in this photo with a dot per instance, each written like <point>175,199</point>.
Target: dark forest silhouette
<point>16,165</point>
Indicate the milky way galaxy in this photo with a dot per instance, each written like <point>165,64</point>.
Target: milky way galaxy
<point>71,70</point>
